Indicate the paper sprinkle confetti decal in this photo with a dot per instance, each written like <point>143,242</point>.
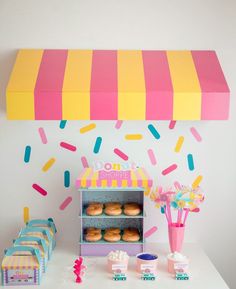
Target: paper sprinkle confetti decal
<point>179,144</point>
<point>66,179</point>
<point>190,162</point>
<point>150,232</point>
<point>84,162</point>
<point>196,134</point>
<point>68,146</point>
<point>118,124</point>
<point>62,124</point>
<point>169,169</point>
<point>172,124</point>
<point>48,164</point>
<point>120,154</point>
<point>133,137</point>
<point>26,214</point>
<point>65,203</point>
<point>153,131</point>
<point>87,128</point>
<point>39,190</point>
<point>152,157</point>
<point>27,154</point>
<point>97,145</point>
<point>42,135</point>
<point>197,182</point>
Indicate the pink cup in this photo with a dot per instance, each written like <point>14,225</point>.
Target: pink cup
<point>172,262</point>
<point>121,266</point>
<point>176,236</point>
<point>142,265</point>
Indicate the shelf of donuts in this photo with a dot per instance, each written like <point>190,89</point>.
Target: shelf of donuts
<point>112,210</point>
<point>112,235</point>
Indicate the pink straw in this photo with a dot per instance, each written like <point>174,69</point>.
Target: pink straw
<point>179,217</point>
<point>185,216</point>
<point>168,221</point>
<point>169,212</point>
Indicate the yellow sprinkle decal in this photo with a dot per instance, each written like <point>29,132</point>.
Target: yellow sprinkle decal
<point>26,214</point>
<point>179,144</point>
<point>133,137</point>
<point>48,164</point>
<point>88,128</point>
<point>197,181</point>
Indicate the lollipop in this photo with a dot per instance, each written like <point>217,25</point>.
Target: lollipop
<point>182,198</point>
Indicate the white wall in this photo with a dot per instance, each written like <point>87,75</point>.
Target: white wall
<point>146,24</point>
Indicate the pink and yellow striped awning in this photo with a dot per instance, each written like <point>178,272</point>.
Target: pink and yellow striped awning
<point>136,178</point>
<point>117,84</point>
<point>20,262</point>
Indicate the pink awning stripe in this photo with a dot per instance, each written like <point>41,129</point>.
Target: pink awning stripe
<point>48,89</point>
<point>159,90</point>
<point>103,93</point>
<point>215,91</point>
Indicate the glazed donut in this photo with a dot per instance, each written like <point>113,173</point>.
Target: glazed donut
<point>93,237</point>
<point>94,209</point>
<point>112,230</point>
<point>111,237</point>
<point>132,209</point>
<point>113,210</point>
<point>131,235</point>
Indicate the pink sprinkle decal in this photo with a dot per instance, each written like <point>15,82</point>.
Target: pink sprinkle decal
<point>118,124</point>
<point>172,124</point>
<point>42,135</point>
<point>39,189</point>
<point>84,162</point>
<point>169,169</point>
<point>68,146</point>
<point>122,155</point>
<point>65,203</point>
<point>150,232</point>
<point>196,134</point>
<point>152,157</point>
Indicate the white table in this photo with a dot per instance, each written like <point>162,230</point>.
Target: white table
<point>203,274</point>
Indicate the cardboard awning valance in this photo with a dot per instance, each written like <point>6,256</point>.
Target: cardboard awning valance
<point>117,84</point>
<point>134,178</point>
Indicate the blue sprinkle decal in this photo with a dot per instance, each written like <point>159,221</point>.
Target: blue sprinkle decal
<point>97,145</point>
<point>153,131</point>
<point>190,162</point>
<point>66,179</point>
<point>27,154</point>
<point>63,124</point>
